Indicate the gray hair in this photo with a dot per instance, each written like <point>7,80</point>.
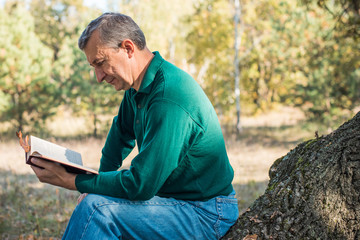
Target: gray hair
<point>113,29</point>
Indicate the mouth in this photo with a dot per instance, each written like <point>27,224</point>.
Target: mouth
<point>111,81</point>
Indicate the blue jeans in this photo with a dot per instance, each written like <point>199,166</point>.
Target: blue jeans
<point>103,217</point>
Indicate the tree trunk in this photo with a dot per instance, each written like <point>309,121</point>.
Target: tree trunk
<point>95,127</point>
<point>313,192</point>
<point>238,36</point>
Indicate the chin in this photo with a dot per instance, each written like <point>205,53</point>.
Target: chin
<point>119,88</point>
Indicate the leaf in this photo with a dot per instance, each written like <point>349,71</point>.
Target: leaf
<point>251,237</point>
<point>24,144</point>
<point>255,219</point>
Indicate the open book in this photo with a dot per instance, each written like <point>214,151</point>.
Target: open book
<point>43,149</point>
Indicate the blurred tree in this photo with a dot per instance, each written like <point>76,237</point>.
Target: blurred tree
<point>212,52</point>
<point>57,20</point>
<point>301,61</point>
<point>163,25</point>
<point>210,49</point>
<point>28,93</point>
<point>263,55</point>
<point>345,12</point>
<point>79,89</point>
<point>289,55</point>
<point>324,66</point>
<point>85,96</point>
<point>239,30</point>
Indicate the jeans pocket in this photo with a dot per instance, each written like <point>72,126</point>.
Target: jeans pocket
<point>228,214</point>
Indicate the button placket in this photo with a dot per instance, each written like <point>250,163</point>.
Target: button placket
<point>139,117</point>
<point>139,113</point>
<point>139,107</point>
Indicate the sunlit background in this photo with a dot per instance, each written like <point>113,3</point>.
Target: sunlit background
<point>276,71</point>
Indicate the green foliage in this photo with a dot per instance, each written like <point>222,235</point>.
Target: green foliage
<point>210,45</point>
<point>324,68</point>
<point>290,54</point>
<point>29,96</point>
<point>82,92</point>
<point>58,20</point>
<point>163,25</point>
<point>79,91</point>
<point>265,55</point>
<point>59,73</point>
<point>346,14</point>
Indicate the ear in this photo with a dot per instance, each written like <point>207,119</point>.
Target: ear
<point>129,47</point>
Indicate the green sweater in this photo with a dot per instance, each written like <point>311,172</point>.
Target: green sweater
<point>182,152</point>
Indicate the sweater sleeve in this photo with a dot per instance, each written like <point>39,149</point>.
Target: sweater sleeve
<point>120,140</point>
<point>168,134</point>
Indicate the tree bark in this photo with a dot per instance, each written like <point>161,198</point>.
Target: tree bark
<point>313,192</point>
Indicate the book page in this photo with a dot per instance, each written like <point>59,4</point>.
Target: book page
<point>54,151</point>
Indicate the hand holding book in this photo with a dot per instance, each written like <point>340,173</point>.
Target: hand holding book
<point>52,163</point>
<point>54,174</point>
<point>40,148</point>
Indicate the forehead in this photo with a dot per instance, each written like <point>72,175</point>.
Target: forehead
<point>94,48</point>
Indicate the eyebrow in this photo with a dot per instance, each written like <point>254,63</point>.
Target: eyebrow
<point>96,61</point>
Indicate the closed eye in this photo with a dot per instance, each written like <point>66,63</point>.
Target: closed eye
<point>100,63</point>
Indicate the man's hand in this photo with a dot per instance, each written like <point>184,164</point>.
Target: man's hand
<point>53,174</point>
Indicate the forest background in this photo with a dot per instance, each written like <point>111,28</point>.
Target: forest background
<point>276,71</point>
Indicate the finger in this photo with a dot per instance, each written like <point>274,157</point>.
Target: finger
<point>36,169</point>
<point>45,164</point>
<point>44,171</point>
<point>40,173</point>
<point>81,197</point>
<point>39,162</point>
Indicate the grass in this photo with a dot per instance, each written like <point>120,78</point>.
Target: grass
<point>32,210</point>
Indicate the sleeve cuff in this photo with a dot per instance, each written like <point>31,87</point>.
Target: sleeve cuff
<point>83,182</point>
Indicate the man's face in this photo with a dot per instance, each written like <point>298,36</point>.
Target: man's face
<point>111,65</point>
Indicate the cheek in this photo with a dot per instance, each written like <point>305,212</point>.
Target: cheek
<point>107,69</point>
<point>120,73</point>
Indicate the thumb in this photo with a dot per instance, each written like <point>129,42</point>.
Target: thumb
<point>81,197</point>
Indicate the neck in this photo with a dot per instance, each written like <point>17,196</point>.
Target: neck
<point>144,58</point>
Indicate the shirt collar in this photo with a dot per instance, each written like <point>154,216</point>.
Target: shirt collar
<point>150,73</point>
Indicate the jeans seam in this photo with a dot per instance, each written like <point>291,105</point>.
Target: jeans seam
<point>227,200</point>
<point>144,203</point>
<point>96,208</point>
<point>88,221</point>
<point>218,221</point>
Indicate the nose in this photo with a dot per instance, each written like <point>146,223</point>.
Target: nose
<point>100,74</point>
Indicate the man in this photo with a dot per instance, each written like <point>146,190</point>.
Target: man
<point>179,184</point>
